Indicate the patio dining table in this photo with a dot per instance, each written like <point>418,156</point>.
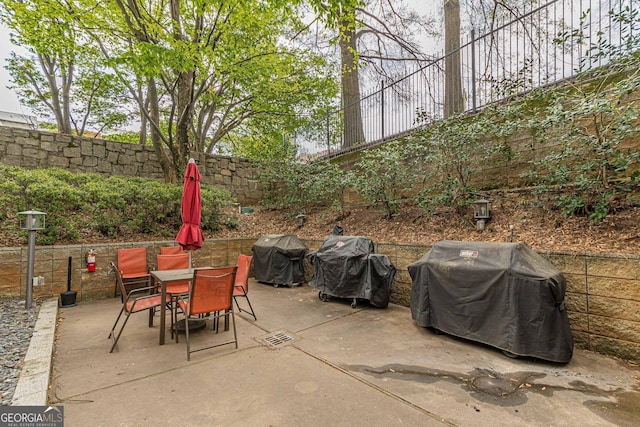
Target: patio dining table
<point>162,277</point>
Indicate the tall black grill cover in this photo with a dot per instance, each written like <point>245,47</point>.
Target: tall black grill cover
<point>346,267</point>
<point>501,294</point>
<point>279,259</point>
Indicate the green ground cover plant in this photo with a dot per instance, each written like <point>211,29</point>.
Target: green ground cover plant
<point>115,206</point>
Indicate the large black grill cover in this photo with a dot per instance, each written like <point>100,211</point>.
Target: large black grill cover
<point>501,294</point>
<point>279,259</point>
<point>346,267</point>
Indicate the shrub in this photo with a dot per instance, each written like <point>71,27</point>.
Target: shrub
<point>592,170</point>
<point>383,176</point>
<point>114,207</point>
<point>298,186</point>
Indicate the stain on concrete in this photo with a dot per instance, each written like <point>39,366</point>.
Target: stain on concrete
<point>622,412</point>
<point>511,389</point>
<point>499,389</point>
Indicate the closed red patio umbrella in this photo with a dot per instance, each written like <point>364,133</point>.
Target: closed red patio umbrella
<point>190,235</point>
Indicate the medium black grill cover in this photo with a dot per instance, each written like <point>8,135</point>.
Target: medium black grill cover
<point>278,259</point>
<point>501,294</point>
<point>346,267</point>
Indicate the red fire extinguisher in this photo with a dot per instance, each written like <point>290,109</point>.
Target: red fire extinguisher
<point>91,260</point>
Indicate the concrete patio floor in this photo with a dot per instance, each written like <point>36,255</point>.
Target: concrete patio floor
<point>341,367</point>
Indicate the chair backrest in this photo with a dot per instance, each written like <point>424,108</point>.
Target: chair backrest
<point>212,290</point>
<point>133,261</point>
<point>242,275</point>
<point>119,281</point>
<point>173,261</point>
<point>167,250</point>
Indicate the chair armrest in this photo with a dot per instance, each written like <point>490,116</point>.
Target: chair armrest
<point>182,302</point>
<point>138,290</point>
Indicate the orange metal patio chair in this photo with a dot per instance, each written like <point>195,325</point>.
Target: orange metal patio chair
<point>169,250</point>
<point>136,300</point>
<point>132,264</point>
<point>174,262</point>
<point>211,292</point>
<point>241,285</point>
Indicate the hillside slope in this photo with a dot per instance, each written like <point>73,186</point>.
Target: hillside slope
<point>541,230</point>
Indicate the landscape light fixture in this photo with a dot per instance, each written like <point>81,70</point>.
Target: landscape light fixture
<point>481,213</point>
<point>31,221</point>
<point>300,219</point>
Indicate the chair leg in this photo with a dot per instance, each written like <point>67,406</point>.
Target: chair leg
<point>186,333</point>
<point>253,313</point>
<point>126,319</point>
<point>113,328</point>
<point>240,310</point>
<point>171,310</point>
<point>215,319</point>
<point>235,335</point>
<point>174,322</point>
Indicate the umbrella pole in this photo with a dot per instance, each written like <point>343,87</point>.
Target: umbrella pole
<point>196,324</point>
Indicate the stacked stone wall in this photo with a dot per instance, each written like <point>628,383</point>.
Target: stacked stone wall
<point>36,149</point>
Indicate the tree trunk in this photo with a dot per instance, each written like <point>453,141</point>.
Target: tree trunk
<point>143,116</point>
<point>183,101</point>
<point>453,98</point>
<point>183,121</point>
<point>353,132</point>
<point>62,120</point>
<point>67,79</point>
<point>156,140</point>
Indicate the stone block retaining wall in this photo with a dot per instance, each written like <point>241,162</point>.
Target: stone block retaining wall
<point>51,263</point>
<point>602,299</point>
<point>33,149</point>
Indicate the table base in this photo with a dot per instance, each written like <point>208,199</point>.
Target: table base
<point>194,325</point>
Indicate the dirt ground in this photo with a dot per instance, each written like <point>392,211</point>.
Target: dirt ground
<point>540,229</point>
<point>546,230</point>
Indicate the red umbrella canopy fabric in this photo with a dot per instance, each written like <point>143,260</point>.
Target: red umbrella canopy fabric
<point>190,235</point>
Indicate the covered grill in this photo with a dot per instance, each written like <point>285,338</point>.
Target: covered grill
<point>346,267</point>
<point>501,294</point>
<point>278,259</point>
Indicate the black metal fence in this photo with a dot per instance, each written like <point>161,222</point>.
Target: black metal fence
<point>545,46</point>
